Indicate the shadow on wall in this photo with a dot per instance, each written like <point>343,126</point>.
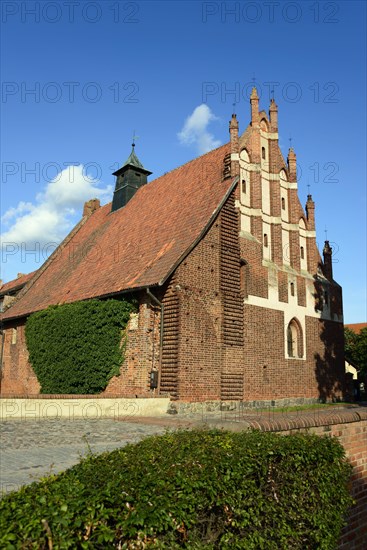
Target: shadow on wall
<point>329,366</point>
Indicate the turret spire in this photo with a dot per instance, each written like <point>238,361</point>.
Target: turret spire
<point>273,115</point>
<point>233,132</point>
<point>254,100</point>
<point>328,265</point>
<point>292,165</point>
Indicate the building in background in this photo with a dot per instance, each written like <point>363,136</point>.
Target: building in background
<point>9,290</point>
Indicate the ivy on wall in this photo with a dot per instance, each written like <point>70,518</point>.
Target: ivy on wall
<point>76,348</point>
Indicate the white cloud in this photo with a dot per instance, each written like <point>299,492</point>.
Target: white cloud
<point>195,132</point>
<point>14,212</point>
<point>50,218</point>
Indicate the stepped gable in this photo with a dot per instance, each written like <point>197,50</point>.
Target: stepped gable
<point>135,246</point>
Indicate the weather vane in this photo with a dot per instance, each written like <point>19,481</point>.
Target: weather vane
<point>134,138</point>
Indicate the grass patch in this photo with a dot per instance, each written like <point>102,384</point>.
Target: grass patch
<point>296,408</point>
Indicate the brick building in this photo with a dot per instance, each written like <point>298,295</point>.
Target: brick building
<point>235,302</point>
<point>8,291</point>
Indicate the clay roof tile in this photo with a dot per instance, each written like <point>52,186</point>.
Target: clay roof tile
<point>136,246</point>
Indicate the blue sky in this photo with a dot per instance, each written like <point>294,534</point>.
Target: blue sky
<point>80,77</point>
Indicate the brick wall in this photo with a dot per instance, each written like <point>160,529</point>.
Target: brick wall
<point>17,376</point>
<point>350,427</point>
<point>142,353</point>
<point>353,437</point>
<point>142,356</point>
<point>199,314</point>
<point>252,252</point>
<point>203,322</point>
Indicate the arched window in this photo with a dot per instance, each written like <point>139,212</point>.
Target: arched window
<point>302,253</point>
<point>294,339</point>
<point>265,240</point>
<point>244,155</point>
<point>243,186</point>
<point>292,289</point>
<point>283,203</point>
<point>263,153</point>
<point>264,125</point>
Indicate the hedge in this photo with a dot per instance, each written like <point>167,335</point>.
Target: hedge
<point>200,489</point>
<point>76,348</point>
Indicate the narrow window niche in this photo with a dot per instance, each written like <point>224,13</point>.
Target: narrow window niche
<point>14,334</point>
<point>294,339</point>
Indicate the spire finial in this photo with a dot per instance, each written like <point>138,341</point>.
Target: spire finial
<point>134,138</point>
<point>325,231</point>
<point>290,142</point>
<point>234,107</point>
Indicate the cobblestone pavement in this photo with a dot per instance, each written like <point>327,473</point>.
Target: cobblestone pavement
<point>31,449</point>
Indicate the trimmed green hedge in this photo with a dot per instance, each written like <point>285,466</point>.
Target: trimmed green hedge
<point>199,489</point>
<point>76,348</point>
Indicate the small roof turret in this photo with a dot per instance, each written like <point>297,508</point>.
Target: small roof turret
<point>133,161</point>
<point>129,178</point>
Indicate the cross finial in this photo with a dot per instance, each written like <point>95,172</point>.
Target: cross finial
<point>134,138</point>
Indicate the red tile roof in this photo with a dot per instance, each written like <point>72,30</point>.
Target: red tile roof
<point>15,284</point>
<point>357,327</point>
<point>138,245</point>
